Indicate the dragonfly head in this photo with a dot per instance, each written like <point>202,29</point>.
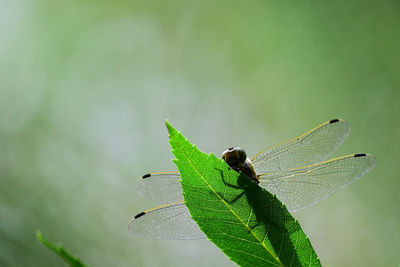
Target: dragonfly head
<point>234,156</point>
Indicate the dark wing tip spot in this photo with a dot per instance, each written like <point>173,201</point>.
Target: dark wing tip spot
<point>146,176</point>
<point>140,215</point>
<point>334,120</point>
<point>360,155</point>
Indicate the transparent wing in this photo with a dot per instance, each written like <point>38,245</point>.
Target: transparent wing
<point>309,148</point>
<point>163,187</point>
<point>303,187</point>
<point>171,221</point>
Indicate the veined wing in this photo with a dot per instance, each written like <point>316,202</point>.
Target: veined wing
<point>303,187</point>
<point>309,148</point>
<point>171,221</point>
<point>163,187</point>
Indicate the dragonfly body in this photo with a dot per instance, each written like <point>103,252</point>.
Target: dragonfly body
<point>296,171</point>
<point>236,158</point>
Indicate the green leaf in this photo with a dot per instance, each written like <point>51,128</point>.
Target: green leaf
<point>65,255</point>
<point>250,225</point>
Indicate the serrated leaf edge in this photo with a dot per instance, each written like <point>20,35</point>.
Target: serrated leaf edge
<point>173,131</point>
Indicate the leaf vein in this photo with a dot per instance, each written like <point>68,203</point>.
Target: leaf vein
<point>226,204</point>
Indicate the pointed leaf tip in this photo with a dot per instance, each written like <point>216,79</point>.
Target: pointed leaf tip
<point>171,130</point>
<point>169,126</point>
<point>39,235</point>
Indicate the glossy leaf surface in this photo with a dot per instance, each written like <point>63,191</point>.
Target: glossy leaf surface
<point>250,225</point>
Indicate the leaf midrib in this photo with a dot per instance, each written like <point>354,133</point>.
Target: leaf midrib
<point>230,209</point>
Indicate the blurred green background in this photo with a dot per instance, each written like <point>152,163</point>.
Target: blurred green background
<point>85,87</point>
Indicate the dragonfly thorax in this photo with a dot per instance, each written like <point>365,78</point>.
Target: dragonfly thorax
<point>236,158</point>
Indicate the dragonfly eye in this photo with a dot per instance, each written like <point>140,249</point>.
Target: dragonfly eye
<point>234,156</point>
<point>242,154</point>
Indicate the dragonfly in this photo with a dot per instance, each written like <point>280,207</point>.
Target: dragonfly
<point>295,171</point>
